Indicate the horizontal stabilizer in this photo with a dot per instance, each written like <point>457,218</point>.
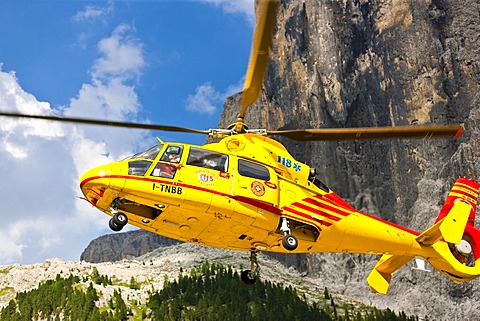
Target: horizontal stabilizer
<point>450,228</point>
<point>379,278</point>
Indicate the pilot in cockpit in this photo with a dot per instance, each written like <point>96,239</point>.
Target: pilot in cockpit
<point>172,154</point>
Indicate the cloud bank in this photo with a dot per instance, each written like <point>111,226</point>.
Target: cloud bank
<point>41,161</point>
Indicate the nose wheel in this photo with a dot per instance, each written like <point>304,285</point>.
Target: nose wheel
<point>118,220</point>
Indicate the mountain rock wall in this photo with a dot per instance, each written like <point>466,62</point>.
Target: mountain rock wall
<point>120,246</point>
<point>379,63</point>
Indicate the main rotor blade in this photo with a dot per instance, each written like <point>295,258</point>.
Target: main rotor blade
<point>420,131</point>
<point>266,12</point>
<point>85,121</point>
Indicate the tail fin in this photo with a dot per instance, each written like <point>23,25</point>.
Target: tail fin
<point>453,238</point>
<point>465,190</point>
<point>450,227</point>
<point>463,197</point>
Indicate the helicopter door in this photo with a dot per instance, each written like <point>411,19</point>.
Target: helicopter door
<point>165,176</point>
<point>206,176</point>
<point>169,163</point>
<point>256,184</point>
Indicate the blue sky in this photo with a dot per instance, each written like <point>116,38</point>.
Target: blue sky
<point>167,62</point>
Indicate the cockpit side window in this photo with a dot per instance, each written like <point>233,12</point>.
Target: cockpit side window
<point>253,170</point>
<point>208,159</point>
<point>172,154</point>
<point>166,166</point>
<point>138,167</point>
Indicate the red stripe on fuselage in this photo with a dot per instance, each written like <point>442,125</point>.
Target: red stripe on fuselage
<point>333,198</point>
<point>305,216</point>
<point>326,206</point>
<point>315,211</point>
<point>347,207</point>
<point>390,224</point>
<point>244,199</point>
<point>257,203</point>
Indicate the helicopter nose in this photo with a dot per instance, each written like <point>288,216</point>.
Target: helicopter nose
<point>101,185</point>
<point>95,182</point>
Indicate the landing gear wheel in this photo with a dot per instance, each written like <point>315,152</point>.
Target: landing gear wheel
<point>120,219</point>
<point>248,277</point>
<point>114,226</point>
<point>289,242</point>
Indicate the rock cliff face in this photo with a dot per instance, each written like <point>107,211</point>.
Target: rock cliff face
<point>120,246</point>
<point>380,63</point>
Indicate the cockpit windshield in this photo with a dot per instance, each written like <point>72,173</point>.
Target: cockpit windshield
<point>139,167</point>
<point>150,153</point>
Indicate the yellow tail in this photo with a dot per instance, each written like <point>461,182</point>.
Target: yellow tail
<point>451,245</point>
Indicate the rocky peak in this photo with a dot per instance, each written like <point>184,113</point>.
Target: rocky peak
<point>120,246</point>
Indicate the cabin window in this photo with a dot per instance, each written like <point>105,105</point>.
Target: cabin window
<point>138,167</point>
<point>208,159</point>
<point>253,170</point>
<point>150,153</point>
<point>164,170</point>
<point>172,154</point>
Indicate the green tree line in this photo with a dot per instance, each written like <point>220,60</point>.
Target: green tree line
<point>208,292</point>
<point>63,299</point>
<point>214,292</point>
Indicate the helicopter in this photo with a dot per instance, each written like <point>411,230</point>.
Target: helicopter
<point>246,192</point>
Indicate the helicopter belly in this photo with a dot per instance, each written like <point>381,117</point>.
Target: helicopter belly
<point>188,213</point>
<point>236,226</point>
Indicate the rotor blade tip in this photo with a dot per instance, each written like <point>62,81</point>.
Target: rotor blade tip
<point>459,131</point>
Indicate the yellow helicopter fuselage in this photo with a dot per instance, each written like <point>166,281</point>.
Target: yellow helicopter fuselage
<point>237,204</point>
<point>236,193</point>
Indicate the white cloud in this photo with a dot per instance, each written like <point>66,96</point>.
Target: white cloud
<point>10,250</point>
<point>206,98</point>
<point>40,162</point>
<point>14,132</point>
<point>14,150</point>
<point>121,55</point>
<point>235,6</point>
<point>92,13</point>
<point>112,99</point>
<point>14,98</point>
<point>109,96</point>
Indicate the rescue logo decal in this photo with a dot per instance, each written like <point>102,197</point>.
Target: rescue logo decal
<point>257,188</point>
<point>205,177</point>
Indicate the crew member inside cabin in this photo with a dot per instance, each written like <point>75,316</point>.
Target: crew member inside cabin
<point>172,154</point>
